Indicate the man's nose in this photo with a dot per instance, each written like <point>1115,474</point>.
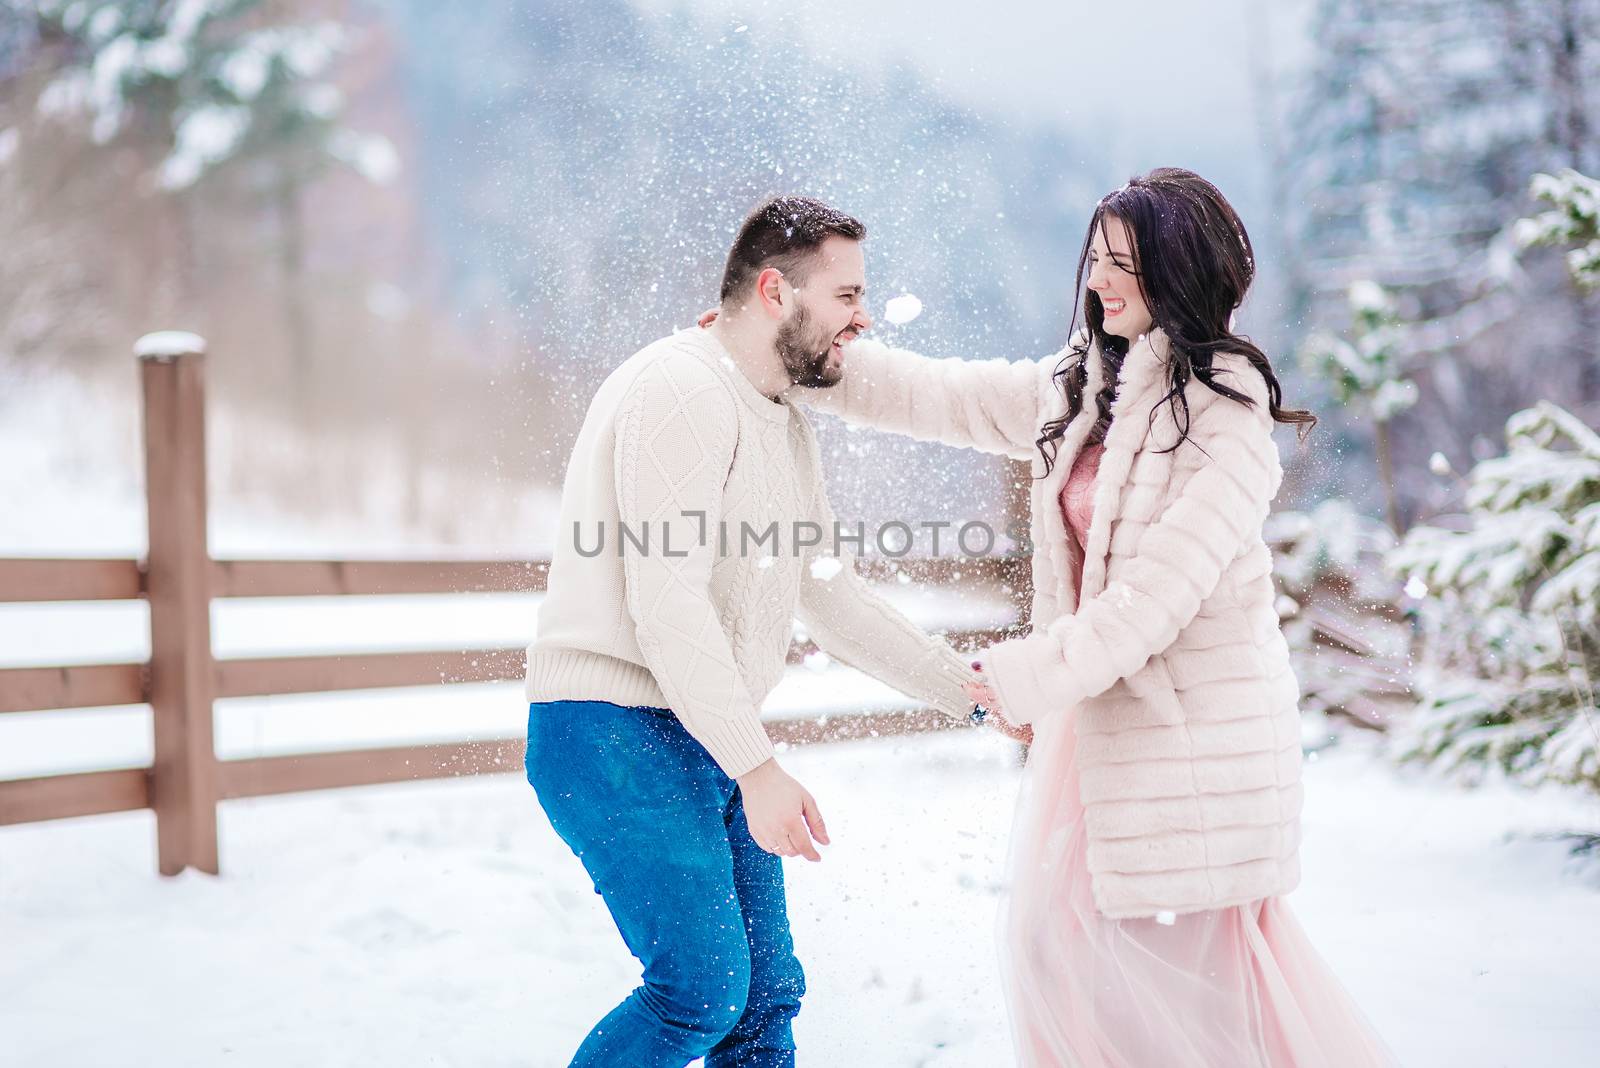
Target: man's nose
<point>861,320</point>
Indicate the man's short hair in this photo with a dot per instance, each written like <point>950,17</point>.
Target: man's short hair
<point>784,232</point>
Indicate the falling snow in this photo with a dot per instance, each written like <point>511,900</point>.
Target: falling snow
<point>824,568</point>
<point>902,309</point>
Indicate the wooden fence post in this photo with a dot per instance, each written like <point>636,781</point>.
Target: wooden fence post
<point>183,779</point>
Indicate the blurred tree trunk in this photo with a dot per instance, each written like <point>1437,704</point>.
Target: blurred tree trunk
<point>1391,497</point>
<point>288,201</point>
<point>150,141</point>
<point>1570,116</point>
<point>1572,131</point>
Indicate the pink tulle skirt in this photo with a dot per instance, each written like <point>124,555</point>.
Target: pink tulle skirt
<point>1239,987</point>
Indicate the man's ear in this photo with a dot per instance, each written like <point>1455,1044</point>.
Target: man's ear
<point>770,294</point>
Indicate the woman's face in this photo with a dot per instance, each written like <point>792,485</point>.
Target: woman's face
<point>1112,277</point>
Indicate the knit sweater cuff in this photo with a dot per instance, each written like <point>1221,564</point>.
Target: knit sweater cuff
<point>738,744</point>
<point>1029,677</point>
<point>944,683</point>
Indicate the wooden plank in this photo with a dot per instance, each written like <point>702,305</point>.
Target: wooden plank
<point>59,797</point>
<point>267,676</point>
<point>265,776</point>
<point>317,578</point>
<point>41,580</point>
<point>945,570</point>
<point>183,787</point>
<point>365,671</point>
<point>961,640</point>
<point>854,726</point>
<point>43,689</point>
<point>93,793</point>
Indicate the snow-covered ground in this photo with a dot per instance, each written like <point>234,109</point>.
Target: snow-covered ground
<point>445,924</point>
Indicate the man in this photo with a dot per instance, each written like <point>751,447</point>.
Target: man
<point>694,529</point>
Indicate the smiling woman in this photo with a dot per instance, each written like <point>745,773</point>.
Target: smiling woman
<point>1114,279</point>
<point>1164,252</point>
<point>1159,828</point>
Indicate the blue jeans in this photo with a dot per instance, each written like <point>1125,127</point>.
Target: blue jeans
<point>661,830</point>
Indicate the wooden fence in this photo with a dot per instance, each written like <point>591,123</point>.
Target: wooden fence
<point>182,679</point>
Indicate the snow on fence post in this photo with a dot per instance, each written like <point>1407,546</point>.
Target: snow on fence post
<point>183,777</point>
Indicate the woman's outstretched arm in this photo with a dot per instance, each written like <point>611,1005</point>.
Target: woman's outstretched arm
<point>990,405</point>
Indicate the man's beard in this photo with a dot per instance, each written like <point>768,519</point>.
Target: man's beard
<point>805,352</point>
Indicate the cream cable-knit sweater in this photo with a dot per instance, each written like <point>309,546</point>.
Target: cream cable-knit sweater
<point>681,449</point>
<point>1172,667</point>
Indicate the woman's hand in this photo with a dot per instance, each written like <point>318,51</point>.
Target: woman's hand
<point>707,317</point>
<point>983,694</point>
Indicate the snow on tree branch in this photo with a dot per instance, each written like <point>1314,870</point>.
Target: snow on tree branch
<point>1574,220</point>
<point>1511,610</point>
<point>1369,369</point>
<point>220,87</point>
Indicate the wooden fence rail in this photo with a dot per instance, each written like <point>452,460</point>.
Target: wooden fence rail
<point>182,679</point>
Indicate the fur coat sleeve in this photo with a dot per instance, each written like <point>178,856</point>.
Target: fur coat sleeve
<point>1225,476</point>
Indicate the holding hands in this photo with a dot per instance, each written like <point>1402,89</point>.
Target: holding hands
<point>983,694</point>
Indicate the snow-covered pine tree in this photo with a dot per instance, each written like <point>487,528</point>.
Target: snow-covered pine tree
<point>1336,604</point>
<point>1573,219</point>
<point>207,81</point>
<point>1368,373</point>
<point>1510,612</point>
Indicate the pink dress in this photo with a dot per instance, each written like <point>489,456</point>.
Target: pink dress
<point>1239,987</point>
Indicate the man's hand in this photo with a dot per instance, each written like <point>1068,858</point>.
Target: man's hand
<point>782,814</point>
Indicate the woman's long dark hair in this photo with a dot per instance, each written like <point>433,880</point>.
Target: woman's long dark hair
<point>1194,264</point>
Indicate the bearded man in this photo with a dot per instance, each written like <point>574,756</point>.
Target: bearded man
<point>692,514</point>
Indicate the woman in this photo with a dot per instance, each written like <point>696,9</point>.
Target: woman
<point>1159,821</point>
